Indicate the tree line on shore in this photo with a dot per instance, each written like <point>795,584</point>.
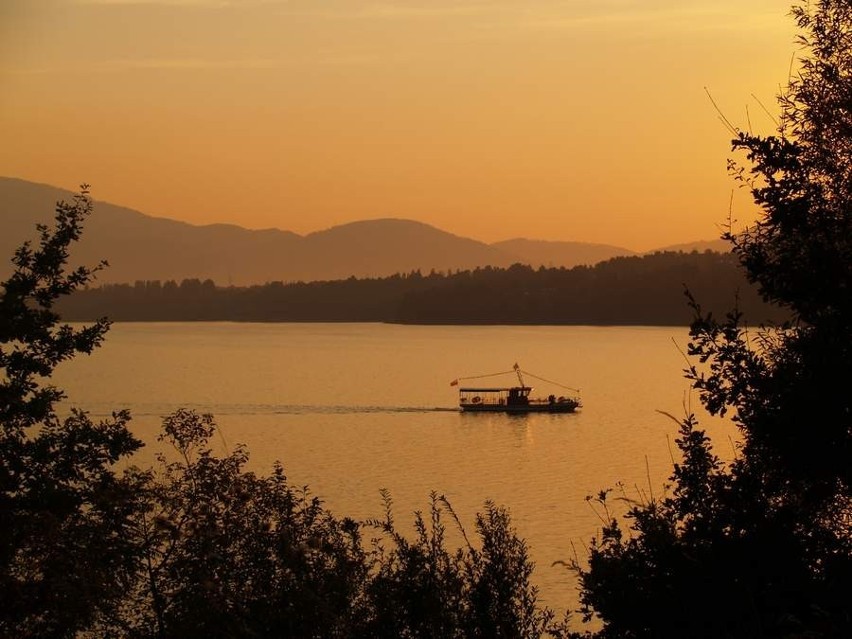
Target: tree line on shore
<point>622,291</point>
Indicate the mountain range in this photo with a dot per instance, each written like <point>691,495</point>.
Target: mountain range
<point>142,247</point>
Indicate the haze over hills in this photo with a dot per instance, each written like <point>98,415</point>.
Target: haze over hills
<point>550,253</point>
<point>142,247</point>
<point>718,246</point>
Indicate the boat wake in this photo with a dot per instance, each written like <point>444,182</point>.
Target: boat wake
<point>160,410</point>
<point>346,410</point>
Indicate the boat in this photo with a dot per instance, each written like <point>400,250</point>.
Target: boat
<point>513,399</point>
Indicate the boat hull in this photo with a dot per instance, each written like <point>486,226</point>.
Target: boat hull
<point>532,408</point>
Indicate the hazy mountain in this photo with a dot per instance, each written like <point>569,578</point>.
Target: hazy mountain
<point>142,247</point>
<point>138,246</point>
<point>554,254</point>
<point>388,246</point>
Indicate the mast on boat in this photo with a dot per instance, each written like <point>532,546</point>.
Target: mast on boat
<point>518,373</point>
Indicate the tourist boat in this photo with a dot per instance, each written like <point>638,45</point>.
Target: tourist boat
<point>513,399</point>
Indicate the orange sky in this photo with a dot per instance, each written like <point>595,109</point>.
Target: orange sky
<point>551,119</point>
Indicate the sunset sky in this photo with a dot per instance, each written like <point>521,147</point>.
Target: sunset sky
<point>580,120</point>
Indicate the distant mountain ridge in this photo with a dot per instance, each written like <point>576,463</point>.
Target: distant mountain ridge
<point>142,247</point>
<point>550,253</point>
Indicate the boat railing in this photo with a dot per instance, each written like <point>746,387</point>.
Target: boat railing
<point>539,401</point>
<point>479,400</point>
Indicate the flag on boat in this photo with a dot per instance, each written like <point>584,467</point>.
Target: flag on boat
<point>455,382</point>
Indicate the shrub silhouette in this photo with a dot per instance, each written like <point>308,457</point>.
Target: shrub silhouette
<point>63,509</point>
<point>762,546</point>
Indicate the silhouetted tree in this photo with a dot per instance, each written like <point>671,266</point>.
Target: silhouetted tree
<point>762,546</point>
<point>421,588</point>
<point>225,553</point>
<point>63,510</point>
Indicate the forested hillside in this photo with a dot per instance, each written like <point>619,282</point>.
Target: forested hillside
<point>626,290</point>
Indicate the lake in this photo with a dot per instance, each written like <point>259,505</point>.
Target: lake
<point>350,409</point>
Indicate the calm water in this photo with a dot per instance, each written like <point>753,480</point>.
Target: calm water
<point>353,408</point>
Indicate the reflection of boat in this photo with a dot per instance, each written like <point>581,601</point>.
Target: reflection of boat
<point>513,399</point>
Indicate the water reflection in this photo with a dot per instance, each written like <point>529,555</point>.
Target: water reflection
<point>352,409</point>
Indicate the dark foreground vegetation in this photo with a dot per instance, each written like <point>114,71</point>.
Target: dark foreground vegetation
<point>762,546</point>
<point>621,291</point>
<point>198,547</point>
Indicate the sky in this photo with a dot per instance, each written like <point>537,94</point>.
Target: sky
<point>580,120</point>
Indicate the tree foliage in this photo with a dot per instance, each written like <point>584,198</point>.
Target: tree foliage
<point>762,546</point>
<point>419,588</point>
<point>226,553</point>
<point>63,509</point>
